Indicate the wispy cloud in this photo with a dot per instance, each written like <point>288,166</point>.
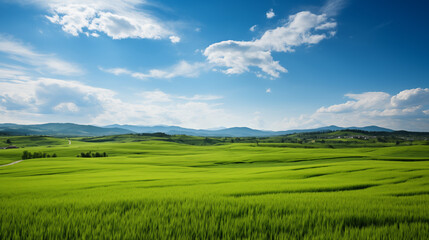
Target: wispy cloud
<point>20,52</point>
<point>181,69</point>
<point>199,97</point>
<point>333,7</point>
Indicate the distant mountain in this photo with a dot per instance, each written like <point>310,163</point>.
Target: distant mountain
<point>372,129</point>
<point>235,131</point>
<point>70,129</point>
<point>59,129</point>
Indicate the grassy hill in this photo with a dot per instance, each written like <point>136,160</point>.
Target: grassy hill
<point>59,129</point>
<point>150,187</point>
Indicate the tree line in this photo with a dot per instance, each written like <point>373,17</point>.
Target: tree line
<point>29,155</point>
<point>92,154</point>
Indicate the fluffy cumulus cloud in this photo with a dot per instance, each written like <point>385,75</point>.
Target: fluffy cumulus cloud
<point>33,100</point>
<point>117,19</point>
<point>406,110</point>
<point>363,101</point>
<point>51,96</point>
<point>270,14</point>
<point>18,51</point>
<point>303,28</point>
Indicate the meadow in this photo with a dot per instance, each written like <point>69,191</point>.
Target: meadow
<point>152,189</point>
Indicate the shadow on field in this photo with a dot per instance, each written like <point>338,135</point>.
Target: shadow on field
<point>331,189</point>
<point>410,194</point>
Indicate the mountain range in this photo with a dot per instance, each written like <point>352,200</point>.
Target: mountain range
<point>71,129</point>
<point>59,129</point>
<point>76,130</point>
<point>235,131</point>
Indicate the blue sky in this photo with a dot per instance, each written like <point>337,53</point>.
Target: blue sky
<point>274,65</point>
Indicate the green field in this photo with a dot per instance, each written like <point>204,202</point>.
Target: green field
<point>152,189</point>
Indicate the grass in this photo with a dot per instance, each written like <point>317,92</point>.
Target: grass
<point>165,190</point>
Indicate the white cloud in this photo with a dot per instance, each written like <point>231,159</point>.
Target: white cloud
<point>299,30</point>
<point>199,97</point>
<point>268,90</point>
<point>411,97</point>
<point>66,107</point>
<point>46,96</point>
<point>174,39</point>
<point>182,69</point>
<point>17,51</point>
<point>237,57</point>
<point>15,72</point>
<point>116,19</point>
<point>303,28</point>
<point>253,28</point>
<point>156,96</point>
<point>29,100</point>
<point>160,96</point>
<point>364,101</point>
<point>270,14</point>
<point>369,108</point>
<point>48,100</point>
<point>116,71</point>
<point>407,109</point>
<point>328,25</point>
<point>332,7</point>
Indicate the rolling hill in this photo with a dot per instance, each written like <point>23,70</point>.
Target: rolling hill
<point>59,129</point>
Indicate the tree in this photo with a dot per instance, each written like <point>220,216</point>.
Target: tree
<point>25,155</point>
<point>9,141</point>
<point>54,155</point>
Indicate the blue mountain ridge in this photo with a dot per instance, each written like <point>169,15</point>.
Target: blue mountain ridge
<point>235,131</point>
<point>71,129</point>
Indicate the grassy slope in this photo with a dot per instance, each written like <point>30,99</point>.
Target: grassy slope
<point>154,189</point>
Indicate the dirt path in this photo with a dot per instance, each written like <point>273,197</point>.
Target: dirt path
<point>11,163</point>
